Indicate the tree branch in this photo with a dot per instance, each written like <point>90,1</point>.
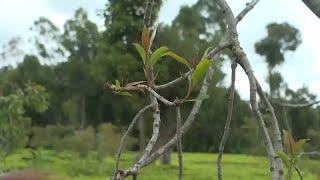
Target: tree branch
<point>248,7</point>
<point>312,153</point>
<point>274,121</point>
<point>141,87</point>
<point>147,13</point>
<point>191,118</point>
<point>210,55</point>
<point>179,144</point>
<point>299,172</point>
<point>227,127</point>
<point>224,43</point>
<point>133,122</point>
<point>173,82</point>
<point>241,57</point>
<point>297,105</point>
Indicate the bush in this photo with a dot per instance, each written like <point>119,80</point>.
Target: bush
<point>82,141</point>
<point>108,140</point>
<point>50,137</point>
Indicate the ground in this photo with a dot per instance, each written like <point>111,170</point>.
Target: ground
<point>67,165</point>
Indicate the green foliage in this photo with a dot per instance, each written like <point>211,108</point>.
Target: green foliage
<point>157,54</point>
<point>200,71</point>
<point>50,137</point>
<point>123,19</point>
<point>141,52</point>
<point>81,141</point>
<point>178,58</point>
<point>108,140</point>
<point>292,148</point>
<point>37,97</point>
<point>105,139</point>
<point>14,124</point>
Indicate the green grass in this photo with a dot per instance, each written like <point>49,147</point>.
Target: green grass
<point>196,166</point>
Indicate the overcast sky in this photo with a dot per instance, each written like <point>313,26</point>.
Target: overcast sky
<point>301,67</point>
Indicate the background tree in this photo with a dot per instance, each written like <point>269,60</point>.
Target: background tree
<point>281,38</point>
<point>15,125</point>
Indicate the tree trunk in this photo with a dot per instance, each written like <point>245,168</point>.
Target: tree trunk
<point>83,112</point>
<point>166,158</point>
<point>142,138</point>
<point>270,84</point>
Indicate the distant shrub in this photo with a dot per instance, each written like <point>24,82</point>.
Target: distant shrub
<point>108,140</point>
<point>50,137</point>
<point>82,141</point>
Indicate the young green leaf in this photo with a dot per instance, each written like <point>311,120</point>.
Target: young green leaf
<point>298,145</point>
<point>141,52</point>
<point>178,58</point>
<point>284,158</point>
<point>145,39</point>
<point>117,85</point>
<point>157,54</point>
<point>200,71</point>
<point>199,98</point>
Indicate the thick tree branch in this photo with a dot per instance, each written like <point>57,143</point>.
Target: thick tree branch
<point>241,57</point>
<point>133,122</point>
<point>179,144</point>
<point>229,117</point>
<point>274,121</point>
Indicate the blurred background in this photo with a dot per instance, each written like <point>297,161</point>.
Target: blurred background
<point>56,56</point>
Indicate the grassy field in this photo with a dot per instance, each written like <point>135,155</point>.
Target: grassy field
<point>197,166</point>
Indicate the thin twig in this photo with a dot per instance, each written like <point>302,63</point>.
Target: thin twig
<point>148,12</point>
<point>210,55</point>
<point>133,122</point>
<point>173,82</point>
<point>179,144</point>
<point>312,153</point>
<point>159,97</point>
<point>139,88</point>
<point>296,105</point>
<point>229,117</point>
<point>299,172</point>
<point>248,7</point>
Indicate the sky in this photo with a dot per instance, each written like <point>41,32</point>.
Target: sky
<point>301,68</point>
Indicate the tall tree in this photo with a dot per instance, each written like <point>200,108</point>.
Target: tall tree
<point>280,39</point>
<point>124,19</point>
